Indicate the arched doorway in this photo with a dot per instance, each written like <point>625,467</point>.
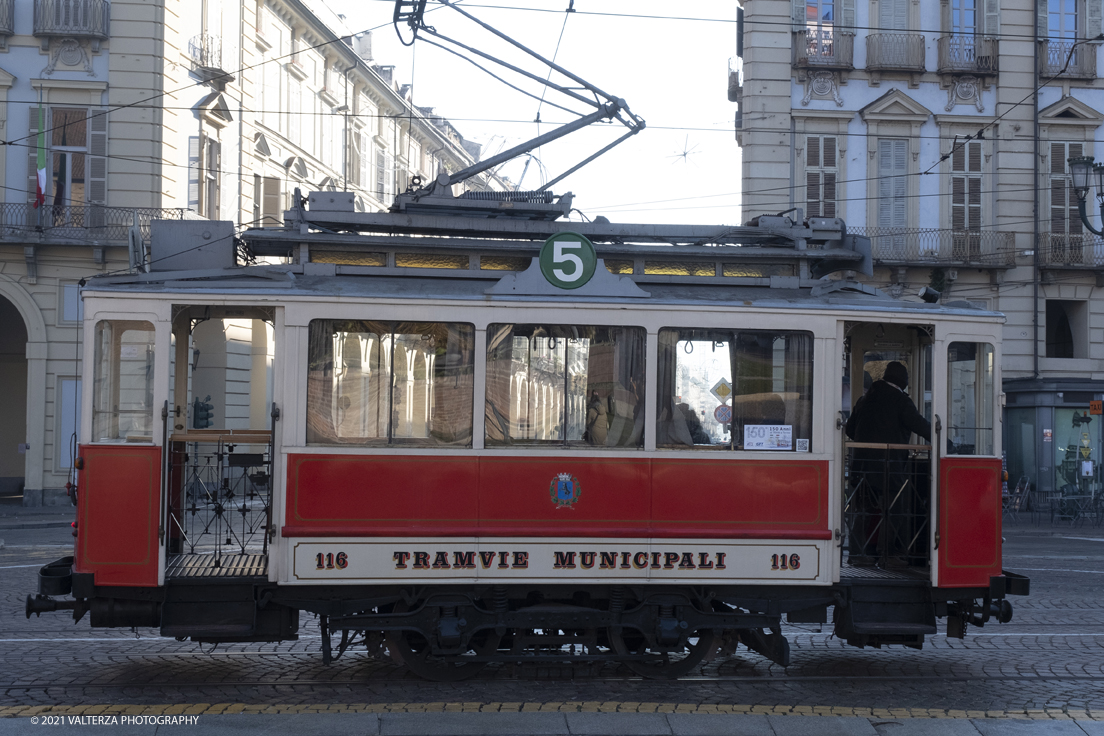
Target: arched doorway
<point>13,409</point>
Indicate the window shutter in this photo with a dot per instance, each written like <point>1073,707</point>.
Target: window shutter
<point>1041,17</point>
<point>1064,217</point>
<point>271,91</point>
<point>885,187</point>
<point>892,185</point>
<point>1058,206</point>
<point>958,203</point>
<point>381,169</point>
<point>799,19</point>
<point>194,146</point>
<point>892,15</point>
<point>991,9</point>
<point>974,150</point>
<point>97,166</point>
<point>820,176</point>
<point>214,171</point>
<point>847,14</point>
<point>294,110</point>
<point>388,179</point>
<point>900,184</point>
<point>32,156</point>
<point>270,208</point>
<point>974,203</point>
<point>812,193</point>
<point>365,162</point>
<point>1057,158</point>
<point>1092,20</point>
<point>829,194</point>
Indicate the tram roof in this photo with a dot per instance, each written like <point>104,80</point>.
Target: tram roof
<point>773,261</point>
<point>289,282</point>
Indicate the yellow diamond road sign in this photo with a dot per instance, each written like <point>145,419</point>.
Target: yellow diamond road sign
<point>722,390</point>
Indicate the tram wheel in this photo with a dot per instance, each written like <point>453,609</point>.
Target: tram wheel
<point>665,663</point>
<point>417,655</point>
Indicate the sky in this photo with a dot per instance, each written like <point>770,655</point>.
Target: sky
<point>671,72</point>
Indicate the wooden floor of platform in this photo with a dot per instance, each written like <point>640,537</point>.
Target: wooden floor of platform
<point>216,566</point>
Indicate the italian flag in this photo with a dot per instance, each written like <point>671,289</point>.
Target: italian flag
<point>40,194</point>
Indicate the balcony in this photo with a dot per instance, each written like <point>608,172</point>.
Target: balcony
<point>895,52</point>
<point>824,48</point>
<point>1055,60</point>
<point>735,81</point>
<point>967,55</point>
<point>912,247</point>
<point>1061,251</point>
<point>72,19</point>
<point>205,51</point>
<point>81,225</point>
<point>7,19</point>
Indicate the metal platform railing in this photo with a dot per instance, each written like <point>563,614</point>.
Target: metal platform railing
<point>220,496</point>
<point>887,504</point>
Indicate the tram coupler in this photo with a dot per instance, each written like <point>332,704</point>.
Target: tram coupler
<point>40,604</point>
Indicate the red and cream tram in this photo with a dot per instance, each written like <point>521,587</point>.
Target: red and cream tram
<point>461,440</point>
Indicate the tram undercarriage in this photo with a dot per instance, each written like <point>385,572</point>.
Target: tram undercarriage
<point>445,633</point>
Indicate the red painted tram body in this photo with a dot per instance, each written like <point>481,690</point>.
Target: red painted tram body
<point>453,460</point>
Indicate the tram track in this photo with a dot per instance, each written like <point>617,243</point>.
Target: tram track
<point>7,687</point>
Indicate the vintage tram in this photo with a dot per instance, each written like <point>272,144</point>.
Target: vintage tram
<point>464,432</point>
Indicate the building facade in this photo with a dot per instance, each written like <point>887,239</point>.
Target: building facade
<point>172,109</point>
<point>942,130</point>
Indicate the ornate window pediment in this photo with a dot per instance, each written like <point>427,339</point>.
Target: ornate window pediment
<point>1071,111</point>
<point>895,105</point>
<point>214,109</point>
<point>260,145</point>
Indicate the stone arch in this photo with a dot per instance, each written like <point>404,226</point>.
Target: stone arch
<point>22,300</point>
<point>35,415</point>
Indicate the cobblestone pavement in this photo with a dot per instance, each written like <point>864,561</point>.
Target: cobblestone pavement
<point>1047,663</point>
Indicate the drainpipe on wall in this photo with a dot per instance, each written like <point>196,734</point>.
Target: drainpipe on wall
<point>1035,206</point>
<point>241,122</point>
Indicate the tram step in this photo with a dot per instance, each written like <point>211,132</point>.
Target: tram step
<point>883,618</point>
<point>208,618</point>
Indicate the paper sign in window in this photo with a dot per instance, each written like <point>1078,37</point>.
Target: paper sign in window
<point>768,437</point>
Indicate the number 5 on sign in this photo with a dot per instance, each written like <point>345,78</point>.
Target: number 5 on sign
<point>559,255</point>
<point>568,260</point>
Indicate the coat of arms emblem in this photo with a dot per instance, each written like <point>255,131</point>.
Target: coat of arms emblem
<point>565,490</point>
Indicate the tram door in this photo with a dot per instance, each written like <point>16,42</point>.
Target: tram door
<point>219,464</point>
<point>888,480</point>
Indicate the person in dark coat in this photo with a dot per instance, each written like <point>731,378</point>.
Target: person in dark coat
<point>885,415</point>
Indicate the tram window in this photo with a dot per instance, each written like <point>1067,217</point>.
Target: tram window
<point>380,383</point>
<point>971,397</point>
<point>760,382</point>
<point>122,400</point>
<point>565,384</point>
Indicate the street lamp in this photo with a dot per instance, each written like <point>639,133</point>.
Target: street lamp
<point>1084,169</point>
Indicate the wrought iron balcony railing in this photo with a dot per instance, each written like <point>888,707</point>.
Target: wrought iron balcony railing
<point>824,48</point>
<point>87,225</point>
<point>964,54</point>
<point>205,51</point>
<point>1067,60</point>
<point>7,17</point>
<point>1059,250</point>
<point>895,52</point>
<point>916,247</point>
<point>78,18</point>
